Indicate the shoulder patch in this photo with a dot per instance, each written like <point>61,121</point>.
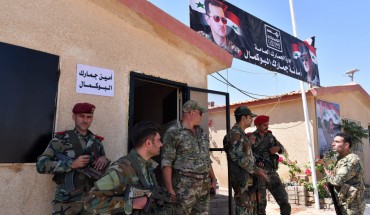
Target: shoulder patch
<point>60,132</point>
<point>99,137</point>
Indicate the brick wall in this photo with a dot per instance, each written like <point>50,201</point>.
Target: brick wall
<point>298,196</point>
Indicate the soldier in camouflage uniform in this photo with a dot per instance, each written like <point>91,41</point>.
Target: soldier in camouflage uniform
<point>265,148</point>
<point>242,163</point>
<point>215,17</point>
<point>186,164</point>
<point>347,177</point>
<point>112,193</point>
<point>81,148</point>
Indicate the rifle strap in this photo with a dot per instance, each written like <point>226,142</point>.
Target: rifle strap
<point>76,145</point>
<point>135,164</point>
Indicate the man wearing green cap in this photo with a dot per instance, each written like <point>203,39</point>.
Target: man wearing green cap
<point>69,154</point>
<point>238,146</point>
<point>186,165</point>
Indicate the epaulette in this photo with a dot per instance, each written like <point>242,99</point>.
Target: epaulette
<point>60,132</point>
<point>269,131</point>
<point>99,137</point>
<point>249,133</point>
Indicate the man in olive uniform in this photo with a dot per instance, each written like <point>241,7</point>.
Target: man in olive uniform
<point>67,153</point>
<point>238,146</point>
<point>186,165</point>
<point>347,177</point>
<point>215,17</point>
<point>119,190</point>
<point>265,148</point>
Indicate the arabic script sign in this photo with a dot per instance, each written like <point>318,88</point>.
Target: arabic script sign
<point>94,80</point>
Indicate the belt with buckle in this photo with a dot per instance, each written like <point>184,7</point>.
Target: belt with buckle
<point>194,175</point>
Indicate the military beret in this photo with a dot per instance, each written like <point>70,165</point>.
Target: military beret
<point>261,119</point>
<point>83,108</point>
<point>192,105</point>
<point>242,111</point>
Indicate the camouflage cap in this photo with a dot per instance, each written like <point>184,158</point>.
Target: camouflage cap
<point>192,105</point>
<point>83,108</point>
<point>243,110</point>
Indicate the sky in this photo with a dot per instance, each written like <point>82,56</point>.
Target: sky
<point>342,33</point>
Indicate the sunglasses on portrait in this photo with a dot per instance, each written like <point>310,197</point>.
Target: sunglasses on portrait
<point>305,58</point>
<point>218,18</point>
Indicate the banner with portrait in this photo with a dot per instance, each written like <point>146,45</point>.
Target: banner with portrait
<point>252,40</point>
<point>328,124</point>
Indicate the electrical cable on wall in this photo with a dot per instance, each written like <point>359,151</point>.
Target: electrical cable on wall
<point>243,91</point>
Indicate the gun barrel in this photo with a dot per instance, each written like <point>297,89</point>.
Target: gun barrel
<point>335,202</point>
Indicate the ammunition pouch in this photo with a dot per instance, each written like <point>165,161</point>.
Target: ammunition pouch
<point>347,194</point>
<point>238,175</point>
<point>274,161</point>
<point>165,209</point>
<point>268,164</point>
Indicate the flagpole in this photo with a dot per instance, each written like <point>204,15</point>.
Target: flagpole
<point>308,130</point>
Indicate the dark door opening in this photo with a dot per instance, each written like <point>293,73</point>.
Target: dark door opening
<point>154,99</point>
<point>161,100</point>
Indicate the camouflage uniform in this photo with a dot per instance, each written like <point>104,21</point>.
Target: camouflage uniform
<point>273,184</point>
<point>229,47</point>
<point>242,166</point>
<point>188,155</point>
<point>108,194</point>
<point>349,184</point>
<point>69,202</point>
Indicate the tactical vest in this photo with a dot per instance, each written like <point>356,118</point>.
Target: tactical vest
<point>237,173</point>
<point>130,160</point>
<point>81,181</point>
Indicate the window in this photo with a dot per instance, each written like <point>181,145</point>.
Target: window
<point>29,81</point>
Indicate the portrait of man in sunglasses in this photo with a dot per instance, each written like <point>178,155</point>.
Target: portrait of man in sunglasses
<point>215,18</point>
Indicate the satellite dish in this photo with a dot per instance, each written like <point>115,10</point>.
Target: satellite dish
<point>351,73</point>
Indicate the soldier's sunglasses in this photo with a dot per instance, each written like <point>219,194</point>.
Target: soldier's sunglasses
<point>305,58</point>
<point>218,18</point>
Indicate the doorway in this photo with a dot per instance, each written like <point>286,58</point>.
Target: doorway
<point>160,100</point>
<point>154,99</point>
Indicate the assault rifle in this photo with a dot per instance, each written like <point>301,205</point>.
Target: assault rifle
<point>157,197</point>
<point>335,202</point>
<point>266,163</point>
<point>89,171</point>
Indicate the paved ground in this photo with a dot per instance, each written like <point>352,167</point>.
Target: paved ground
<point>219,206</point>
<point>274,209</point>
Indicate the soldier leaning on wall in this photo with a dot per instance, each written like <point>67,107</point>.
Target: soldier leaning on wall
<point>68,155</point>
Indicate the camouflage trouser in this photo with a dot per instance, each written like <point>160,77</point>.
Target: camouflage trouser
<point>357,206</point>
<point>240,210</point>
<point>71,208</point>
<point>192,195</point>
<point>245,204</point>
<point>277,190</point>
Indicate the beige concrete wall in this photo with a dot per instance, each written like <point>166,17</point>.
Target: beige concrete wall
<point>217,131</point>
<point>97,33</point>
